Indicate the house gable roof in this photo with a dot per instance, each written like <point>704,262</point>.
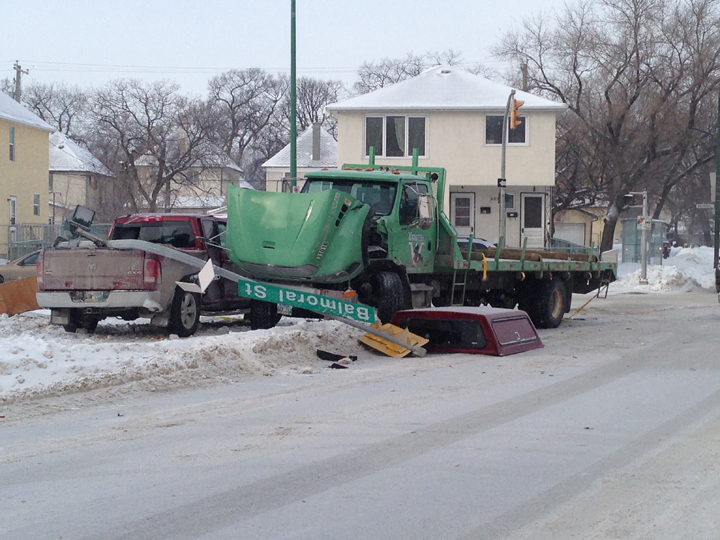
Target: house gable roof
<point>12,111</point>
<point>328,152</point>
<point>444,88</point>
<point>68,156</point>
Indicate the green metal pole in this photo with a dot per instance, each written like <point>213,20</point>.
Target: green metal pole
<point>717,199</point>
<point>293,100</point>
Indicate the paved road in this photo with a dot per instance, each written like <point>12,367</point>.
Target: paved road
<point>611,431</point>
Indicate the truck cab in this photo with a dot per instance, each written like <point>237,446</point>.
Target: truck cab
<point>398,232</point>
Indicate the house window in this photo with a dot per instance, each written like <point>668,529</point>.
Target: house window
<point>12,144</point>
<point>493,130</point>
<point>395,136</point>
<point>462,212</point>
<point>36,204</point>
<point>509,201</point>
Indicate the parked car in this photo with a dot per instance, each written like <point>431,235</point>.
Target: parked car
<point>21,268</point>
<point>478,243</point>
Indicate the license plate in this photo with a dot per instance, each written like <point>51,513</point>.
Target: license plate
<point>94,296</point>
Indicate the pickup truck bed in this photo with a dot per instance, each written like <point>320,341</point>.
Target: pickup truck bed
<point>83,283</point>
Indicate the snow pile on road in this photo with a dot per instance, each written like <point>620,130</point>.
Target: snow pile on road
<point>38,359</point>
<point>686,269</point>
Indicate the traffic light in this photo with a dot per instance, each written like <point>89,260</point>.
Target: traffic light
<point>515,114</point>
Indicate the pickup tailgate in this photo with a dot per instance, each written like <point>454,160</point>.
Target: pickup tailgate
<point>92,269</point>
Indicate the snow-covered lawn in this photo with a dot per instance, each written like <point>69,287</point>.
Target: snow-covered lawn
<point>38,359</point>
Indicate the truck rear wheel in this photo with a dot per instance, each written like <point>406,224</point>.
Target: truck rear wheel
<point>550,303</point>
<point>387,295</point>
<point>184,313</point>
<point>263,315</point>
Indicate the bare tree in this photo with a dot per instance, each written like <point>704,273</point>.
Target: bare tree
<point>63,107</point>
<point>243,103</point>
<point>634,74</point>
<point>7,87</point>
<point>375,75</point>
<point>149,135</point>
<point>312,97</point>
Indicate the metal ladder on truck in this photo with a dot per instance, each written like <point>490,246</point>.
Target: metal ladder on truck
<point>461,284</point>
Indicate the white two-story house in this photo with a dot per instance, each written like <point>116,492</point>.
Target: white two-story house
<point>454,119</point>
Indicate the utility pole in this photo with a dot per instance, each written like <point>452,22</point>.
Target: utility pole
<point>524,72</point>
<point>18,84</point>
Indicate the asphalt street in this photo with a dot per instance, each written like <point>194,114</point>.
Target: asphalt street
<point>610,431</point>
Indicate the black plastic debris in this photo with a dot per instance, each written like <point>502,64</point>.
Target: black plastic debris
<point>335,365</point>
<point>332,357</point>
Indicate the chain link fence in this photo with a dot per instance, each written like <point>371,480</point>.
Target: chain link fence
<point>23,238</point>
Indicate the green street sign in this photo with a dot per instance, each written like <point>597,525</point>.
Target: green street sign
<point>306,300</point>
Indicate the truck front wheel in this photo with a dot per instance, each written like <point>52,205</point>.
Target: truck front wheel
<point>549,303</point>
<point>263,315</point>
<point>387,295</point>
<point>184,313</point>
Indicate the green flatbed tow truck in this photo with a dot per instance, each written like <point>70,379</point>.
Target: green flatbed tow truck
<point>381,231</point>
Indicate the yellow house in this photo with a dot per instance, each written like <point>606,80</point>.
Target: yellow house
<point>23,169</point>
<point>455,119</point>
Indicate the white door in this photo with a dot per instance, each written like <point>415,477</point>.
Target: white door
<point>532,215</point>
<point>462,212</point>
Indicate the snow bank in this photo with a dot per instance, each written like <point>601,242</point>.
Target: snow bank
<point>38,359</point>
<point>686,269</point>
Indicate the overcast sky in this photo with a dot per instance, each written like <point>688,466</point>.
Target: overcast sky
<point>88,42</point>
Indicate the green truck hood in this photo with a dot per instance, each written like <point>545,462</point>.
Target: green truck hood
<point>296,236</point>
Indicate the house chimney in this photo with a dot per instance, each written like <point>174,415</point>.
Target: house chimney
<point>316,141</point>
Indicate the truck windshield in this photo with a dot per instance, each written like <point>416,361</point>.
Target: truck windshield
<point>380,196</point>
<point>178,234</point>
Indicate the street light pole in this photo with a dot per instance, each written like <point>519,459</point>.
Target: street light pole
<point>293,101</point>
<point>502,181</point>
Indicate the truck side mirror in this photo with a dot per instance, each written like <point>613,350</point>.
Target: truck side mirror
<point>425,210</point>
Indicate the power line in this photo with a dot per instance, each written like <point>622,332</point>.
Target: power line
<point>129,68</point>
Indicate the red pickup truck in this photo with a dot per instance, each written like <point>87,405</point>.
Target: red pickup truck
<point>83,283</point>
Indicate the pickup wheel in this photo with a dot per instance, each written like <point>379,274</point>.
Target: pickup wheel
<point>184,313</point>
<point>263,315</point>
<point>387,294</point>
<point>550,302</point>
